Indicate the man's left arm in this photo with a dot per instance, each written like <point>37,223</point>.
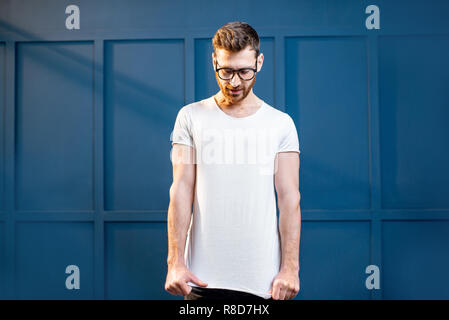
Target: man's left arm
<point>286,283</point>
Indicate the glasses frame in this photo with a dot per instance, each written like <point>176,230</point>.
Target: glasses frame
<point>235,71</point>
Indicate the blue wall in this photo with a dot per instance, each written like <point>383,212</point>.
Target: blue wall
<point>86,117</point>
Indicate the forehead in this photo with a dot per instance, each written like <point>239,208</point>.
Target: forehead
<point>240,59</point>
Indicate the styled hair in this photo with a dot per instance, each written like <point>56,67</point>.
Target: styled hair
<point>235,36</point>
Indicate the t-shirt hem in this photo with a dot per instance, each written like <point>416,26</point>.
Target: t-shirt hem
<point>289,150</point>
<point>184,143</point>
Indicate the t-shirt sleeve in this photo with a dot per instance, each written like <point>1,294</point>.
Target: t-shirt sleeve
<point>182,131</point>
<point>289,139</point>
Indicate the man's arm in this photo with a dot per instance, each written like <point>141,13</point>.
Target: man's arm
<point>180,206</point>
<point>286,284</point>
<point>178,219</point>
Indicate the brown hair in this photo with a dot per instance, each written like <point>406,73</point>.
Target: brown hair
<point>235,36</point>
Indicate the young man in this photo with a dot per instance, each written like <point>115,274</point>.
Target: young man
<point>230,152</point>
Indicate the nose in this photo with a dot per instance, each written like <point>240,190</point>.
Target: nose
<point>235,81</point>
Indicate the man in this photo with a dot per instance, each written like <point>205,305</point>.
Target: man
<point>230,152</point>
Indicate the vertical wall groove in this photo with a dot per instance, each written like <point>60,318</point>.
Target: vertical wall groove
<point>98,169</point>
<point>374,126</point>
<point>9,167</point>
<point>279,70</point>
<point>189,65</point>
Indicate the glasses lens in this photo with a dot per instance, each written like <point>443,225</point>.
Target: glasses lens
<point>246,74</point>
<point>225,74</point>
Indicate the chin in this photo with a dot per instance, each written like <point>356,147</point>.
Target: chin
<point>236,98</point>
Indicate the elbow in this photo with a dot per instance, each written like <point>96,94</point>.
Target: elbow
<point>289,202</point>
<point>172,192</point>
<point>291,197</point>
<point>180,192</point>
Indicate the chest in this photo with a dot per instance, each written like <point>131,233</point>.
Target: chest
<point>236,142</point>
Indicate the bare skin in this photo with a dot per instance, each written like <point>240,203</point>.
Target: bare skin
<point>178,220</point>
<point>286,284</point>
<point>245,102</point>
<point>240,104</point>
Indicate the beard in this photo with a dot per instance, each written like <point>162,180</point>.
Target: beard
<point>232,98</point>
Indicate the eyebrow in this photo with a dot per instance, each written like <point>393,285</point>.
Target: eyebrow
<point>226,67</point>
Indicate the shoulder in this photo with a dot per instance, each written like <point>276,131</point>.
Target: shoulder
<point>278,115</point>
<point>196,107</point>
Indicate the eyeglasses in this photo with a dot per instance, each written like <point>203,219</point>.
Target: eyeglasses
<point>228,73</point>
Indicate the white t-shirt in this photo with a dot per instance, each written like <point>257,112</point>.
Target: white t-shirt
<point>233,240</point>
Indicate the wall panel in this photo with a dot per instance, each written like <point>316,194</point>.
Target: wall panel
<point>414,95</point>
<point>2,261</point>
<point>326,95</point>
<point>135,260</point>
<point>144,89</point>
<point>43,252</point>
<point>333,257</point>
<point>2,124</point>
<point>54,126</point>
<point>415,257</point>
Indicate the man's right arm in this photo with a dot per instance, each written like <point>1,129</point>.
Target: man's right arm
<point>178,219</point>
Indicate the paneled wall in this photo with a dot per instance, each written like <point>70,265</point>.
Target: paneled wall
<point>86,117</point>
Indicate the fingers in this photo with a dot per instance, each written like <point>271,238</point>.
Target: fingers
<point>174,288</point>
<point>197,281</point>
<point>275,291</point>
<point>185,289</point>
<point>179,286</point>
<point>295,291</point>
<point>289,294</point>
<point>283,294</point>
<point>170,290</point>
<point>282,290</point>
<point>292,292</point>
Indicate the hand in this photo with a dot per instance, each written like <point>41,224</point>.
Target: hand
<point>177,278</point>
<point>285,285</point>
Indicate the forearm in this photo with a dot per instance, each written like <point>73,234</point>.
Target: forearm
<point>178,221</point>
<point>290,230</point>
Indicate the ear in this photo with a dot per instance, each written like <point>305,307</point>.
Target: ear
<point>260,61</point>
<point>213,60</point>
